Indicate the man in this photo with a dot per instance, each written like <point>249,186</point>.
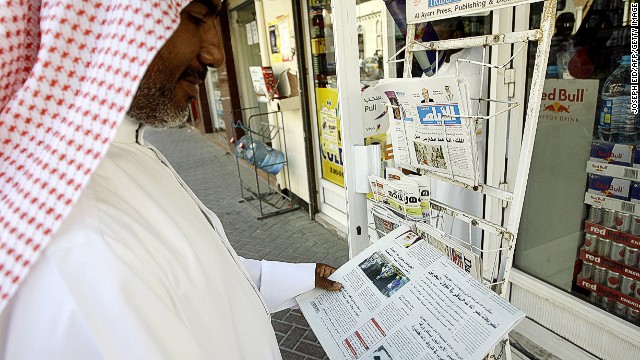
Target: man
<point>449,94</point>
<point>123,261</point>
<point>425,96</point>
<point>469,75</point>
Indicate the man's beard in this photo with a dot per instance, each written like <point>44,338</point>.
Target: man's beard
<point>154,104</point>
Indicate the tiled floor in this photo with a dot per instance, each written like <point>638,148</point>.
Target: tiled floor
<point>212,174</point>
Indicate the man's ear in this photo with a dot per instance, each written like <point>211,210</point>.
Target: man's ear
<point>457,34</point>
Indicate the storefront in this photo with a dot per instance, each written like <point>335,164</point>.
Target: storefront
<point>579,298</point>
<point>574,235</point>
<point>577,269</point>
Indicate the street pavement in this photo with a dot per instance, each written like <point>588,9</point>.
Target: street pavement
<point>212,174</point>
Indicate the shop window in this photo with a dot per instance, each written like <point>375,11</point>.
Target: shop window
<point>586,122</point>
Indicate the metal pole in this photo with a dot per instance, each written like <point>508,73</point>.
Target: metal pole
<point>307,119</point>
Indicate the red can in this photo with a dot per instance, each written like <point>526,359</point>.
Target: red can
<point>590,242</point>
<point>604,247</point>
<point>627,285</point>
<point>607,303</point>
<point>623,222</point>
<point>600,275</point>
<point>587,270</point>
<point>631,256</point>
<point>613,280</point>
<point>617,251</point>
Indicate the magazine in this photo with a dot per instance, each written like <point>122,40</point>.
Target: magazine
<point>403,299</point>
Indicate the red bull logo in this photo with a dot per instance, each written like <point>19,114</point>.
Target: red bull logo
<point>556,107</point>
<point>564,95</point>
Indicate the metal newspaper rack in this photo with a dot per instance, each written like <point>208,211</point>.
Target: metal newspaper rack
<point>497,252</point>
<point>268,128</point>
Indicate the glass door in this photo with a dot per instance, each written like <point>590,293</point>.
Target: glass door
<point>246,49</point>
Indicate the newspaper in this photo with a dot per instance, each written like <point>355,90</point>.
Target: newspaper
<point>385,221</point>
<point>402,196</point>
<point>456,250</point>
<point>429,125</point>
<point>424,186</point>
<point>403,300</point>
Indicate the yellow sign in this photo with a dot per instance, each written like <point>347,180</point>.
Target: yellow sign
<point>281,40</point>
<point>329,131</point>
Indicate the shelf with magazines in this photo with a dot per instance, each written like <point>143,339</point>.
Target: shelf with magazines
<point>435,136</point>
<point>260,145</point>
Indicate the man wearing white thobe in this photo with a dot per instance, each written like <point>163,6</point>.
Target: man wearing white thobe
<point>140,268</point>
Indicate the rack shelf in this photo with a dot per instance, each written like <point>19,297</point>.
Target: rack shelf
<point>264,188</point>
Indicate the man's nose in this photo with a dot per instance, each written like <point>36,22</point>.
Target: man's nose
<point>211,52</point>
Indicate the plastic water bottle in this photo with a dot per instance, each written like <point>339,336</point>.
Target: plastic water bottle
<point>617,123</point>
<point>244,148</point>
<point>267,158</point>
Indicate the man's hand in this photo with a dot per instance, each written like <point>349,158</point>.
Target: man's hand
<point>323,271</point>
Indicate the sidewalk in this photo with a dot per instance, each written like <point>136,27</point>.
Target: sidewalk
<point>211,173</point>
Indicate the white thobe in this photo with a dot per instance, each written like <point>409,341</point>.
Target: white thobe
<point>141,269</point>
<point>458,197</point>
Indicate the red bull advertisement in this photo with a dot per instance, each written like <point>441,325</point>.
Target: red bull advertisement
<point>608,152</point>
<point>561,94</point>
<point>556,107</point>
<point>609,186</point>
<point>568,100</point>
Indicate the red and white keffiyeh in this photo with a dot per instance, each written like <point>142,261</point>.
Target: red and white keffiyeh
<point>68,72</point>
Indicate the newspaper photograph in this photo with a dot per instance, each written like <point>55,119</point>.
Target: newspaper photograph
<point>403,299</point>
<point>429,127</point>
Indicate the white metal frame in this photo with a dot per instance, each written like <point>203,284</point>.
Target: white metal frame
<point>515,197</point>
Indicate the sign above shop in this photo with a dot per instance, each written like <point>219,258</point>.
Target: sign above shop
<point>428,10</point>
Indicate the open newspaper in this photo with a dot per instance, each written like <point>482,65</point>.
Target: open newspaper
<point>403,299</point>
<point>429,126</point>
